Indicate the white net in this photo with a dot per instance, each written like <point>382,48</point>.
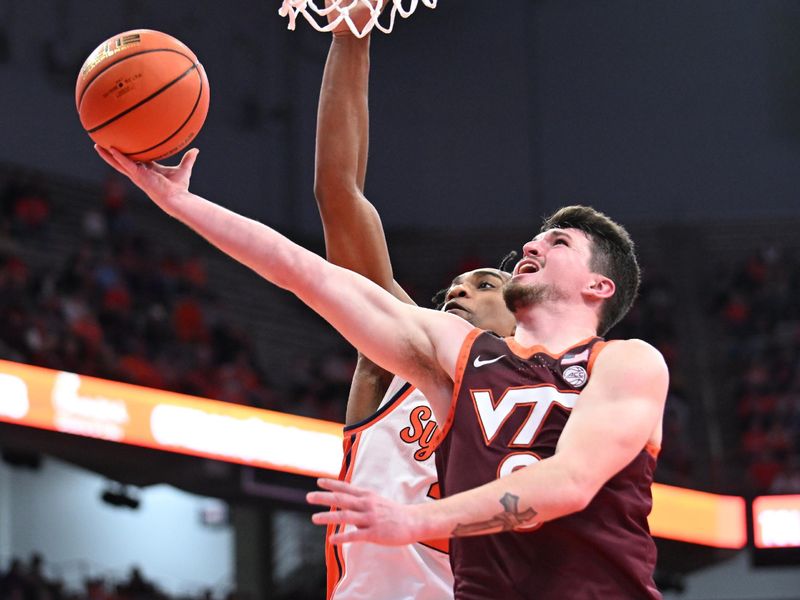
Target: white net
<point>360,16</point>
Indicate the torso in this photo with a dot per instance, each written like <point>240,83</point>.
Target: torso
<point>390,452</point>
<point>509,412</point>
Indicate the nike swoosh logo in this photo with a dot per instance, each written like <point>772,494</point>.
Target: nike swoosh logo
<point>477,363</point>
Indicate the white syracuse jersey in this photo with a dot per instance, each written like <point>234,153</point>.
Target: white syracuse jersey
<point>391,453</point>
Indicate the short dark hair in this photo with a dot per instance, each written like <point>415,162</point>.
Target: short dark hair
<point>613,255</point>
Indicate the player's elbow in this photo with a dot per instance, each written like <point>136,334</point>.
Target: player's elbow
<point>576,497</point>
<point>582,496</point>
<point>332,188</point>
<point>580,490</point>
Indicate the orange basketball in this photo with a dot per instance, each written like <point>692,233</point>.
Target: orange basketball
<point>144,93</point>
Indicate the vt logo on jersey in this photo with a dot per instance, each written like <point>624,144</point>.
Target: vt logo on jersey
<point>536,400</point>
<point>421,431</point>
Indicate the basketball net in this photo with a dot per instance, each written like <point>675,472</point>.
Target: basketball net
<point>327,18</point>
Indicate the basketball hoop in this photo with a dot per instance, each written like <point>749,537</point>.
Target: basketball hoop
<point>327,18</point>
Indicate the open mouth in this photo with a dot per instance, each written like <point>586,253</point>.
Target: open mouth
<point>528,266</point>
<point>453,305</point>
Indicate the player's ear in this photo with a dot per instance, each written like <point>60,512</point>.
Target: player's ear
<point>601,287</point>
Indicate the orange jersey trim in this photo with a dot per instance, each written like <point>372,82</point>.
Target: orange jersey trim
<point>461,364</point>
<point>525,353</point>
<point>652,449</point>
<point>336,567</point>
<point>595,353</point>
<point>442,545</point>
<point>379,414</point>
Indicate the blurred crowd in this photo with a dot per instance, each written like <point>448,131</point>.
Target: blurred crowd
<point>119,306</point>
<point>27,580</point>
<point>653,318</point>
<point>759,317</point>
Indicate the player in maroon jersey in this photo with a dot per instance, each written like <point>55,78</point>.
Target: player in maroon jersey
<point>512,404</point>
<point>576,279</point>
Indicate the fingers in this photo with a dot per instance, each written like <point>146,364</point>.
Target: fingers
<point>337,499</point>
<point>187,162</point>
<point>362,530</point>
<point>350,535</point>
<point>126,166</point>
<point>182,170</point>
<point>335,485</point>
<point>341,495</point>
<point>121,163</point>
<point>109,158</point>
<point>352,506</point>
<point>129,167</point>
<point>341,517</point>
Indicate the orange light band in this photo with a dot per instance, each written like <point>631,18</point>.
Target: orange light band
<point>698,517</point>
<point>130,414</point>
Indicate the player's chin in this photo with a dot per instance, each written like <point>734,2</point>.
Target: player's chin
<point>518,294</point>
<point>462,313</point>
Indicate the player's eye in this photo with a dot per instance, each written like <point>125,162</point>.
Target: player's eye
<point>485,285</point>
<point>560,241</point>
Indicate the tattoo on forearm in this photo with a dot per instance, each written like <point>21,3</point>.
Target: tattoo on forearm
<point>510,518</point>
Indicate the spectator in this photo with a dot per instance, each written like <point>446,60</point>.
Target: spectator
<point>758,319</point>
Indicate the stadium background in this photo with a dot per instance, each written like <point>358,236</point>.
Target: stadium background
<point>679,119</point>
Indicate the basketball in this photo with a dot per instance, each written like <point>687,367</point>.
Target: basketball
<point>144,93</point>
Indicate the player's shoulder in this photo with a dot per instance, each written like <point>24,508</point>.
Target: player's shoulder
<point>632,368</point>
<point>632,355</point>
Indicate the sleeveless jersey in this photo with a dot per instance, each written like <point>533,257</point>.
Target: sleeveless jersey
<point>391,453</point>
<point>509,410</point>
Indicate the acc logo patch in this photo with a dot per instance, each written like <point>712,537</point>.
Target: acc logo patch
<point>576,376</point>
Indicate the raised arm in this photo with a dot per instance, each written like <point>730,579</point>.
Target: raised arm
<point>420,345</point>
<point>617,414</point>
<point>354,236</point>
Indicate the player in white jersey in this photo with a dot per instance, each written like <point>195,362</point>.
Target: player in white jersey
<point>389,452</point>
<point>389,424</point>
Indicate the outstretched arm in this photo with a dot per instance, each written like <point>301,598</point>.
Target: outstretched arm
<point>616,415</point>
<point>420,345</point>
<point>354,236</point>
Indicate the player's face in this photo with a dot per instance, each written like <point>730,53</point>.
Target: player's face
<point>554,267</point>
<point>477,297</point>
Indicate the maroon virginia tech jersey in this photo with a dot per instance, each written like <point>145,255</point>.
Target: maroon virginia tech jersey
<point>511,406</point>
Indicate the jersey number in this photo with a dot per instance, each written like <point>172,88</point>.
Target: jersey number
<point>511,463</point>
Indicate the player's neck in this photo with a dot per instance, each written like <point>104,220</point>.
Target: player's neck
<point>555,328</point>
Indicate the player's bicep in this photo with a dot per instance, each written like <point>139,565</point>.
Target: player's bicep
<point>432,345</point>
<point>404,339</point>
<point>617,414</point>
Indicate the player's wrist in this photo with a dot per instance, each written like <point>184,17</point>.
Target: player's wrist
<point>347,38</point>
<point>421,522</point>
<point>173,202</point>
